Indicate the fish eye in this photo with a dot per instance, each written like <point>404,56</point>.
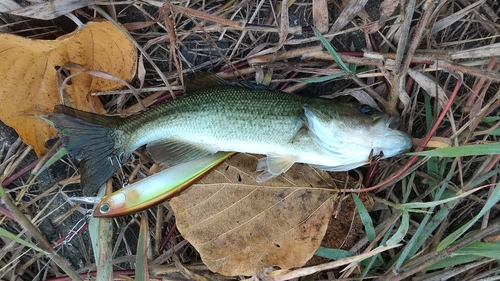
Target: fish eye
<point>366,109</point>
<point>104,208</point>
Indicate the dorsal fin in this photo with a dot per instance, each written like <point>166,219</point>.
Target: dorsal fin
<point>196,81</point>
<point>200,80</point>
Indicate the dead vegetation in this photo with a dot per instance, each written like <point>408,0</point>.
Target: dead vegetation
<point>434,63</point>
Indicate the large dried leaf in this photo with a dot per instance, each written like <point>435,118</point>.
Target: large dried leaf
<point>28,74</point>
<point>351,10</point>
<point>240,226</point>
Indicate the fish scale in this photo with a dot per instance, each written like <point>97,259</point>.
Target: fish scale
<point>223,114</point>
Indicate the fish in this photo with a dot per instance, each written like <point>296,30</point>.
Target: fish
<point>217,115</point>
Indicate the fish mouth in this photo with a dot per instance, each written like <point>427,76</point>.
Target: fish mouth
<point>394,122</point>
<point>393,143</point>
<point>385,122</point>
<point>387,139</point>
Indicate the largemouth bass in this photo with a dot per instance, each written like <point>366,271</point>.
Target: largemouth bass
<point>216,115</point>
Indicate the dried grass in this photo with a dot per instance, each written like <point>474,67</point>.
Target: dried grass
<point>441,44</point>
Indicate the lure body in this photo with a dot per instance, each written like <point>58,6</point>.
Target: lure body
<point>157,188</point>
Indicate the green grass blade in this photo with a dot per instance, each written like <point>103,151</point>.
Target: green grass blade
<point>54,158</point>
<point>492,200</point>
<point>11,236</point>
<point>420,205</point>
<point>402,230</point>
<point>472,252</point>
<point>101,233</point>
<point>495,132</point>
<point>372,261</point>
<point>481,179</point>
<point>141,259</point>
<point>458,151</point>
<point>489,119</point>
<point>352,66</point>
<point>333,254</point>
<point>332,51</point>
<point>435,220</point>
<point>483,249</point>
<point>2,192</point>
<point>366,219</point>
<point>432,165</point>
<point>452,261</point>
<point>426,227</point>
<point>369,266</point>
<point>408,190</point>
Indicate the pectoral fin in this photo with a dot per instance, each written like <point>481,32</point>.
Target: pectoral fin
<point>175,151</point>
<point>198,81</point>
<point>300,133</point>
<point>273,166</point>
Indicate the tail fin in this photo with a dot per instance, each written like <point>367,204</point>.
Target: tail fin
<point>90,139</point>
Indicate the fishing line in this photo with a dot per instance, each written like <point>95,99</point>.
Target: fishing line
<point>79,226</point>
<point>72,233</point>
<point>118,159</point>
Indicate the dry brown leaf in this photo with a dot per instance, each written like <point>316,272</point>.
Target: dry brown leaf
<point>429,84</point>
<point>480,52</point>
<point>360,95</point>
<point>351,10</point>
<point>386,9</point>
<point>239,226</point>
<point>28,74</point>
<point>451,19</point>
<point>320,15</point>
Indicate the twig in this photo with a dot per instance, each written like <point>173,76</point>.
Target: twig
<point>231,23</point>
<point>401,69</point>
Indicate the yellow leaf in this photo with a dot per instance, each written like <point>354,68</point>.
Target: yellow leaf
<point>240,226</point>
<point>28,75</point>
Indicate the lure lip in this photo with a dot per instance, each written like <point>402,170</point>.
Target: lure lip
<point>115,203</point>
<point>157,188</point>
<point>86,199</point>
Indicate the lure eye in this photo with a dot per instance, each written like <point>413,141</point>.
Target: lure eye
<point>366,109</point>
<point>104,208</point>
